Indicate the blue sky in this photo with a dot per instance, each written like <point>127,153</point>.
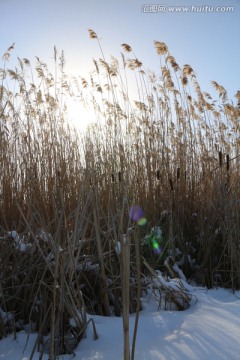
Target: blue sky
<point>208,41</point>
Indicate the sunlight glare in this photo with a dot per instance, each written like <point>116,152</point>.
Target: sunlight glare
<point>80,116</point>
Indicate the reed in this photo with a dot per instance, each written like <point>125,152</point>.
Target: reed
<point>159,142</point>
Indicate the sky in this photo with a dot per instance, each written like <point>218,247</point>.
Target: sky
<point>205,39</point>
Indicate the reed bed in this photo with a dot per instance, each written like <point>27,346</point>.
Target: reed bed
<point>159,142</point>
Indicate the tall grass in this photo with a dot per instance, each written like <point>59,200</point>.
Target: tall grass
<point>159,142</point>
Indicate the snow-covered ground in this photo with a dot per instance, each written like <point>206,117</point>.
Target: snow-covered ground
<point>208,330</point>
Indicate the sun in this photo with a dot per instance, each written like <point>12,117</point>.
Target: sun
<point>80,116</point>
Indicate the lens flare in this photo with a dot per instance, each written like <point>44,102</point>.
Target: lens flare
<point>142,221</point>
<point>154,241</point>
<point>156,248</point>
<point>136,214</point>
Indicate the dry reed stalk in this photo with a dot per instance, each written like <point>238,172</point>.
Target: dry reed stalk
<point>148,125</point>
<point>100,257</point>
<point>139,290</point>
<point>125,275</point>
<point>50,280</point>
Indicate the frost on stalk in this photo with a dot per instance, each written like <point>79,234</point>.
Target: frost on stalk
<point>118,248</point>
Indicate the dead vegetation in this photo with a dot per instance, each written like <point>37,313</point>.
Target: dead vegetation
<point>160,143</point>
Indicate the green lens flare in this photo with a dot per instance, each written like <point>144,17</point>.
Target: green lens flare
<point>142,221</point>
<point>155,245</point>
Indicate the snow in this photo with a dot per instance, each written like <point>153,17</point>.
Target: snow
<point>5,316</point>
<point>208,330</point>
<point>19,243</point>
<point>179,272</point>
